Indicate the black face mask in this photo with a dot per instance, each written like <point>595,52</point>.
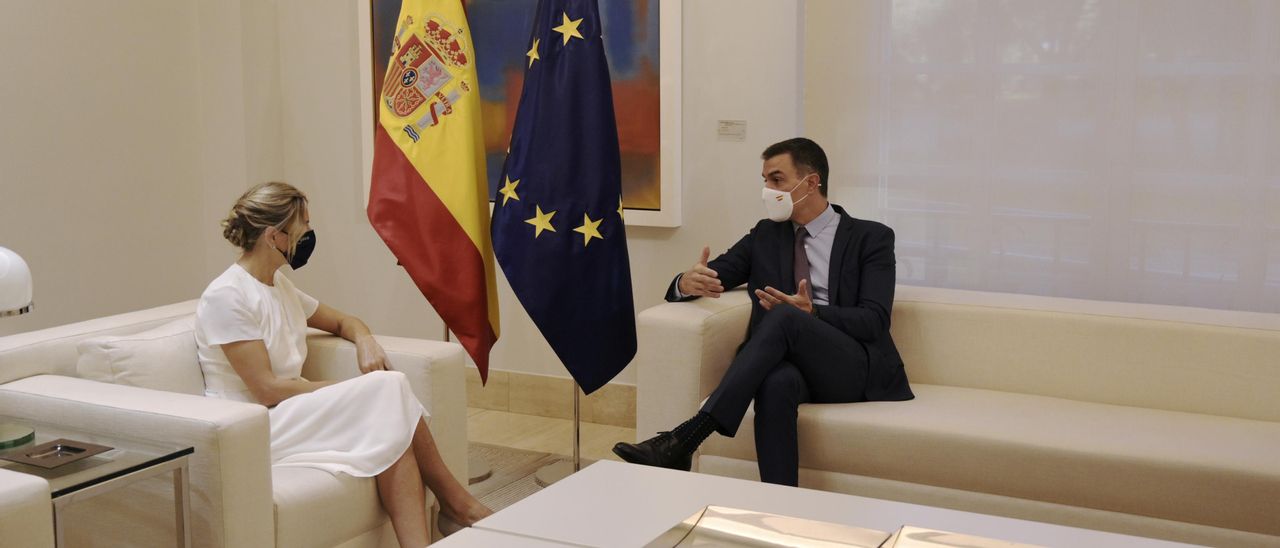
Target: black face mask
<point>302,251</point>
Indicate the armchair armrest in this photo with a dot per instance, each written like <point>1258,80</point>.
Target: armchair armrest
<point>436,373</point>
<point>684,350</point>
<point>25,517</point>
<point>230,471</point>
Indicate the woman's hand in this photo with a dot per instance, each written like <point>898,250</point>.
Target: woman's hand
<point>369,355</point>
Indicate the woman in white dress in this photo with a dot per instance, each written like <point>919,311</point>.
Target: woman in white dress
<point>251,337</point>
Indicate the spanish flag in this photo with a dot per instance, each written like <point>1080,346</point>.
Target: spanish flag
<point>429,195</point>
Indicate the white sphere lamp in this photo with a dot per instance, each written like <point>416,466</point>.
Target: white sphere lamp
<point>15,299</point>
<point>15,284</point>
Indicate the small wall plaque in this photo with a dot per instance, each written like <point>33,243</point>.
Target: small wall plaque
<point>732,130</point>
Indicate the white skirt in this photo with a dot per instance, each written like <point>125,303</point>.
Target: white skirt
<point>359,427</point>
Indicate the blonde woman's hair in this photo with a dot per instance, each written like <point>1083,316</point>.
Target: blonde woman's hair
<point>273,204</point>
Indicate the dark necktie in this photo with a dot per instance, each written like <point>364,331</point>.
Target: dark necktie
<point>801,259</point>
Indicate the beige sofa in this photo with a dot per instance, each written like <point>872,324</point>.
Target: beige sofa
<point>1149,420</point>
<point>238,500</point>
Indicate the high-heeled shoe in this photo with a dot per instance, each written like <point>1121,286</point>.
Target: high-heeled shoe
<point>446,525</point>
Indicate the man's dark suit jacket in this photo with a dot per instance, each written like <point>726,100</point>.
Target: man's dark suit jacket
<point>860,288</point>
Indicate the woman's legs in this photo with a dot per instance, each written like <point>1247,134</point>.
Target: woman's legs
<point>455,501</point>
<point>400,488</point>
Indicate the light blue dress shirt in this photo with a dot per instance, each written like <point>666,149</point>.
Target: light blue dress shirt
<point>822,237</point>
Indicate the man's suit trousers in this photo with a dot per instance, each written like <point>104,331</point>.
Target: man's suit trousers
<point>790,358</point>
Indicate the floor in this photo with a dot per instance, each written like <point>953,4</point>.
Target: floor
<point>544,434</point>
<point>514,455</point>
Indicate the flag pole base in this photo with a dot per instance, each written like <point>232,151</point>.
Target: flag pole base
<point>561,469</point>
<point>553,472</point>
<point>478,469</point>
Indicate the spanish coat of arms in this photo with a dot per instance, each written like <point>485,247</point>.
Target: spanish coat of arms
<point>427,69</point>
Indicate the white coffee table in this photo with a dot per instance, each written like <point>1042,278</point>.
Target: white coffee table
<point>475,537</point>
<point>617,504</point>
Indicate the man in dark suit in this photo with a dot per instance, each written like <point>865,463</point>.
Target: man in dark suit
<point>823,284</point>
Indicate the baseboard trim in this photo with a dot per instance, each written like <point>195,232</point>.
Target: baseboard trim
<point>546,396</point>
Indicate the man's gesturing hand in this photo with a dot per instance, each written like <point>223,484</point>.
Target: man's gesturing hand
<point>770,297</point>
<point>701,281</point>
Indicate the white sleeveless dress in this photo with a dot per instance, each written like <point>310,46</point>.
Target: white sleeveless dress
<point>359,426</point>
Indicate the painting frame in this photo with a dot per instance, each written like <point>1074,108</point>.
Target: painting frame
<point>669,213</point>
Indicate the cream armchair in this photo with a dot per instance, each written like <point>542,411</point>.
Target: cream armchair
<point>237,498</point>
<point>25,516</point>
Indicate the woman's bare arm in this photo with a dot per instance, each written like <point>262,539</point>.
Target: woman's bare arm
<point>369,354</point>
<point>251,361</point>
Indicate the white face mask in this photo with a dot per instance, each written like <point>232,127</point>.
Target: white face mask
<point>777,203</point>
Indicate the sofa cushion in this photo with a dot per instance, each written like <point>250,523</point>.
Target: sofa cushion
<point>1195,468</point>
<point>162,358</point>
<point>347,506</point>
<point>1215,362</point>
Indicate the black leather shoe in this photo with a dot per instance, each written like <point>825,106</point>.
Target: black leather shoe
<point>662,450</point>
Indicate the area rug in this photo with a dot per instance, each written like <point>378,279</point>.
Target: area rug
<point>512,477</point>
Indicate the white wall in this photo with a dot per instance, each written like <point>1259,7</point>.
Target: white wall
<point>840,116</point>
<point>274,94</point>
<point>100,132</point>
<point>240,113</point>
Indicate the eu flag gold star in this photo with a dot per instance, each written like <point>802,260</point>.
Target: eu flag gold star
<point>620,207</point>
<point>532,54</point>
<point>569,28</point>
<point>509,191</point>
<point>589,229</point>
<point>542,221</point>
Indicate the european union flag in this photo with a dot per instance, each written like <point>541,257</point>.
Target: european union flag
<point>557,219</point>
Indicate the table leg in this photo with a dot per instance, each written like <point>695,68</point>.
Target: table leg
<point>57,527</point>
<point>182,504</point>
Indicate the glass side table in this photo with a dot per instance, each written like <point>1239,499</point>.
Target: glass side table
<point>127,462</point>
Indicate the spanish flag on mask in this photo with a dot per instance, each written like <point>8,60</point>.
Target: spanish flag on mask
<point>429,195</point>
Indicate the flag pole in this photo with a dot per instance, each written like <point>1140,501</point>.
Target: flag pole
<point>478,468</point>
<point>561,468</point>
<point>577,429</point>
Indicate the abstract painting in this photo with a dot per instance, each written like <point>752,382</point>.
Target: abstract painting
<point>500,30</point>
